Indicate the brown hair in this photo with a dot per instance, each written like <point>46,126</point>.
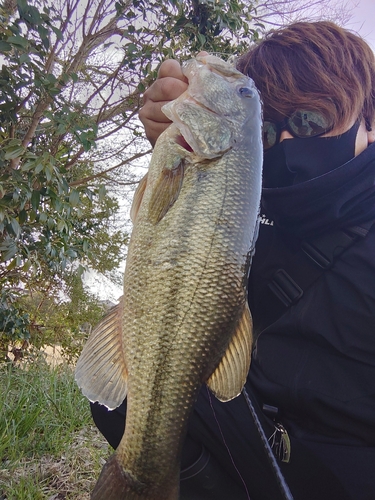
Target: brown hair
<point>313,66</point>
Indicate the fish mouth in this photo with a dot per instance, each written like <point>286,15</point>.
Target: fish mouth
<point>181,141</point>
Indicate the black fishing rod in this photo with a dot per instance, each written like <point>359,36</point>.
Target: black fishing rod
<point>284,488</point>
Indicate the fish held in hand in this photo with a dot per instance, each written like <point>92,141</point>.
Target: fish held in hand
<point>184,319</point>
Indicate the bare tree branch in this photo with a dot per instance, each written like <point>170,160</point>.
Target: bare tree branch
<point>102,174</point>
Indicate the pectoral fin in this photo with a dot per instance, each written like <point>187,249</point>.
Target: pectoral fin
<point>166,191</point>
<point>101,371</point>
<point>228,379</point>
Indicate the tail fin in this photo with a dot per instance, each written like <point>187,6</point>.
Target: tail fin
<point>116,484</point>
<point>112,483</point>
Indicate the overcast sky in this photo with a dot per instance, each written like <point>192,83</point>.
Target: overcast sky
<point>363,21</point>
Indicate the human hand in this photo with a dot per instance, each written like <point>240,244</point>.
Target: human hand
<point>170,84</point>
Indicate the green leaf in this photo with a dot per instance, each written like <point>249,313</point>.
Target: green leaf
<point>28,165</point>
<point>18,41</point>
<point>34,15</point>
<point>5,47</point>
<point>43,217</point>
<point>22,217</point>
<point>57,204</point>
<point>130,14</point>
<point>74,197</point>
<point>35,200</point>
<point>61,226</point>
<point>22,6</point>
<point>24,58</point>
<point>15,227</point>
<point>202,39</point>
<point>54,91</point>
<point>48,170</point>
<point>71,253</point>
<point>9,250</point>
<point>80,270</point>
<point>12,265</point>
<point>102,192</point>
<point>58,33</point>
<point>45,42</point>
<point>26,266</point>
<point>64,78</point>
<point>13,152</point>
<point>51,78</point>
<point>131,47</point>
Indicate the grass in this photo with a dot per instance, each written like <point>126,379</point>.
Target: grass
<point>49,447</point>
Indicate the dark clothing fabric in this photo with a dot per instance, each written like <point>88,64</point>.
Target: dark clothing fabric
<point>315,363</point>
<point>342,197</point>
<point>227,431</point>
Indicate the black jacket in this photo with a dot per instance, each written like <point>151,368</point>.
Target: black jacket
<point>316,363</point>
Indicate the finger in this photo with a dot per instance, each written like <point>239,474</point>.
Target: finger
<point>153,119</point>
<point>170,84</point>
<point>171,68</point>
<point>153,130</point>
<point>151,112</point>
<point>165,89</point>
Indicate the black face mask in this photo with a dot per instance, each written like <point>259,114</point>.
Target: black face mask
<point>298,160</point>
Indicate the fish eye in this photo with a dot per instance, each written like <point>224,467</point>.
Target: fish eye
<point>246,92</point>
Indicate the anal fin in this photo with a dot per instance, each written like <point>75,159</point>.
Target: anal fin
<point>228,379</point>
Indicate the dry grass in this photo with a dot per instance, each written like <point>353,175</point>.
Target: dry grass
<point>59,455</point>
<point>71,476</point>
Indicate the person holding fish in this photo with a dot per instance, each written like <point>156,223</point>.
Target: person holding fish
<point>311,288</point>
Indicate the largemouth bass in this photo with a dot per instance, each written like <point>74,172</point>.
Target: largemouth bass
<point>184,318</point>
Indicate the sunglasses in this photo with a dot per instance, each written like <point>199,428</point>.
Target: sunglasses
<point>301,124</point>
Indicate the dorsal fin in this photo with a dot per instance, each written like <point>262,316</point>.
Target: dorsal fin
<point>228,379</point>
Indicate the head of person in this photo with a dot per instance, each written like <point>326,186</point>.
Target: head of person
<point>316,79</point>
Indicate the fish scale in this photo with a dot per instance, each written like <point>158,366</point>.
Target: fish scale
<point>184,319</point>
